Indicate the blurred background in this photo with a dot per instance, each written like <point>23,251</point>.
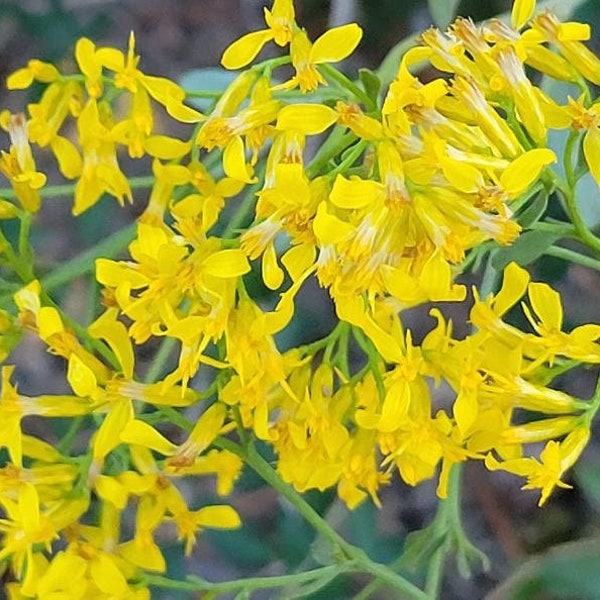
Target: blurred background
<point>175,39</point>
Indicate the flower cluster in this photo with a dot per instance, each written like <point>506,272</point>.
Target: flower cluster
<point>406,189</point>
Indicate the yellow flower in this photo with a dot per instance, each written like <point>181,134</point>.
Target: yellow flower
<point>196,213</point>
<point>333,46</point>
<point>25,526</point>
<point>100,173</point>
<point>129,77</point>
<point>190,523</point>
<point>90,65</point>
<point>19,167</point>
<point>546,473</point>
<point>36,70</point>
<point>567,37</point>
<point>252,122</point>
<point>281,25</point>
<point>587,119</point>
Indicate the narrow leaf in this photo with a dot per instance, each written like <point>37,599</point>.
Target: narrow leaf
<point>443,11</point>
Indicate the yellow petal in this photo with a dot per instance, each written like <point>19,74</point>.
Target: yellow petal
<point>142,434</point>
<point>395,407</point>
<point>465,409</point>
<point>514,285</point>
<point>165,147</point>
<point>20,79</point>
<point>522,11</point>
<point>243,51</point>
<point>111,58</point>
<point>462,176</point>
<point>108,435</point>
<point>218,517</point>
<point>574,32</point>
<point>355,192</point>
<point>547,305</point>
<point>67,155</point>
<point>336,44</point>
<point>107,576</point>
<point>29,505</point>
<point>273,275</point>
<point>524,170</point>
<point>115,334</point>
<point>328,228</point>
<point>49,322</point>
<point>111,273</point>
<point>309,119</point>
<point>227,263</point>
<point>80,377</point>
<point>181,112</point>
<point>591,151</point>
<point>298,259</point>
<point>234,161</point>
<point>110,489</point>
<point>85,55</point>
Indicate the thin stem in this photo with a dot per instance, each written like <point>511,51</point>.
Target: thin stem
<point>568,193</point>
<point>353,155</point>
<point>66,442</point>
<point>82,264</point>
<point>344,82</point>
<point>594,405</point>
<point>433,584</point>
<point>61,191</point>
<point>196,584</point>
<point>335,144</point>
<point>346,551</point>
<point>160,359</point>
<point>573,257</point>
<point>568,157</point>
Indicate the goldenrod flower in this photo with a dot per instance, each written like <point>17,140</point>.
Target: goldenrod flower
<point>333,46</point>
<point>281,25</point>
<point>19,167</point>
<point>545,474</point>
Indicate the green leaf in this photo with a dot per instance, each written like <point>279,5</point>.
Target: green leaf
<point>243,547</point>
<point>586,476</point>
<point>389,66</point>
<point>534,211</point>
<point>370,82</point>
<point>420,546</point>
<point>443,11</point>
<point>526,248</point>
<point>566,571</point>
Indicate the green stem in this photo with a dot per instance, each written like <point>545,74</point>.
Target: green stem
<point>196,584</point>
<point>516,126</point>
<point>567,191</point>
<point>346,83</point>
<point>160,359</point>
<point>573,257</point>
<point>82,264</point>
<point>60,191</point>
<point>584,234</point>
<point>349,553</point>
<point>433,584</point>
<point>594,405</point>
<point>568,158</point>
<point>352,156</point>
<point>335,144</point>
